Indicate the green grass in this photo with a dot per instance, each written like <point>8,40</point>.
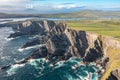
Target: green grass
<point>106,27</point>
<point>114,61</point>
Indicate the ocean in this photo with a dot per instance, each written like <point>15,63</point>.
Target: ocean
<point>39,69</point>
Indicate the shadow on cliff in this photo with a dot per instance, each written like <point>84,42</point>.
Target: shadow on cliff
<point>61,43</point>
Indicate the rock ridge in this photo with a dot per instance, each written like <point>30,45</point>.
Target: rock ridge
<point>61,43</point>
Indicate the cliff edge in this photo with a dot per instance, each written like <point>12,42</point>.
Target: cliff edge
<point>61,43</point>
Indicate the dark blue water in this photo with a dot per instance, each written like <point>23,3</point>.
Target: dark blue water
<point>9,48</point>
<point>39,69</point>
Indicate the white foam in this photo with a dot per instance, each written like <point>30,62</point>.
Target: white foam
<point>17,65</point>
<point>9,39</point>
<point>34,62</point>
<point>21,50</point>
<point>51,65</point>
<point>32,47</point>
<point>18,60</point>
<point>14,68</point>
<point>74,67</point>
<point>5,57</point>
<point>89,76</point>
<point>31,60</point>
<point>59,64</point>
<point>99,66</point>
<point>103,70</point>
<point>35,36</point>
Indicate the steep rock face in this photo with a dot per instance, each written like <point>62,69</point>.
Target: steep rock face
<point>115,75</point>
<point>30,28</point>
<point>61,43</point>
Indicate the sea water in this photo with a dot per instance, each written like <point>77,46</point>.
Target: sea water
<point>39,69</point>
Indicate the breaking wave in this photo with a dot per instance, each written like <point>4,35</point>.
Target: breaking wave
<point>41,69</point>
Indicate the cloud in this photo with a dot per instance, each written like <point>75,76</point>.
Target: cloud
<point>67,3</point>
<point>12,5</point>
<point>67,6</point>
<point>10,1</point>
<point>38,0</point>
<point>38,6</point>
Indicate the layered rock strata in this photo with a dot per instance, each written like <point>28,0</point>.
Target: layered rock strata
<point>61,43</point>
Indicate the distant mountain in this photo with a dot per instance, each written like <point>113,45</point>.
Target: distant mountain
<point>90,14</point>
<point>2,15</point>
<point>80,14</point>
<point>5,15</point>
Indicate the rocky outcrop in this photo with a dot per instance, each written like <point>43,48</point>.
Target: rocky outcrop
<point>30,28</point>
<point>36,41</point>
<point>114,75</point>
<point>61,43</point>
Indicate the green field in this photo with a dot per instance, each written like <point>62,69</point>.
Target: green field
<point>103,27</point>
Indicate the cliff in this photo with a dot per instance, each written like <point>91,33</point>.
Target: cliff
<point>114,75</point>
<point>61,43</point>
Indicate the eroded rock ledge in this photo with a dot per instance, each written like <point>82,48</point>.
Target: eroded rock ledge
<point>61,43</point>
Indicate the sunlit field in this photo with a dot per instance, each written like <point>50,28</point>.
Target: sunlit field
<point>103,27</point>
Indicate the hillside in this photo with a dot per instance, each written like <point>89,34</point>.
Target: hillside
<point>89,14</point>
<point>6,15</point>
<point>103,27</point>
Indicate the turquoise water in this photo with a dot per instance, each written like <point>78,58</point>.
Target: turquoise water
<point>40,69</point>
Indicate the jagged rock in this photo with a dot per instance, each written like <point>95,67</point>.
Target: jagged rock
<point>32,43</point>
<point>14,35</point>
<point>36,41</point>
<point>31,28</point>
<point>39,53</point>
<point>114,75</point>
<point>95,52</point>
<point>57,44</point>
<point>61,43</point>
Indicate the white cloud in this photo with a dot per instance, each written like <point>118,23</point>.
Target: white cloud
<point>13,5</point>
<point>66,6</point>
<point>17,6</point>
<point>10,1</point>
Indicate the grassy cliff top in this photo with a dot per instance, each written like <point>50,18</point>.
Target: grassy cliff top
<point>103,27</point>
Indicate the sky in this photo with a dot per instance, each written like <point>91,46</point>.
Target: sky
<point>56,6</point>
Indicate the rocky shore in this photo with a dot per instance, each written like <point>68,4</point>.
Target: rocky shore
<point>61,43</point>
